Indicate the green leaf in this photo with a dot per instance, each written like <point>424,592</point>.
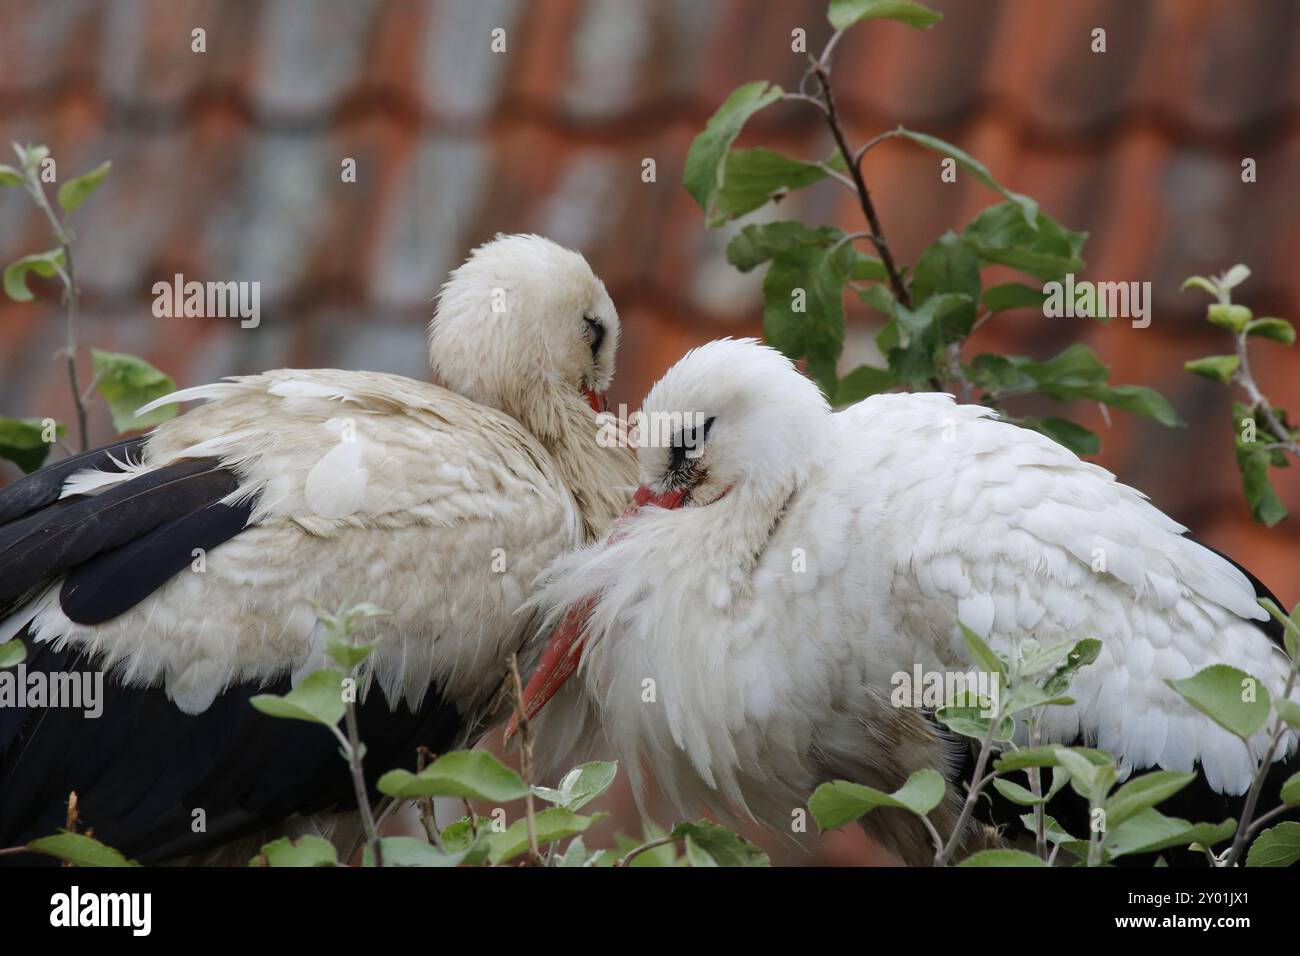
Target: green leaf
<point>1233,277</point>
<point>346,654</point>
<point>882,300</point>
<point>128,383</point>
<point>10,176</point>
<point>1231,317</point>
<point>581,785</point>
<point>1016,793</point>
<point>414,851</point>
<point>1075,437</point>
<point>1137,399</point>
<point>1150,831</point>
<point>1143,792</point>
<point>839,802</point>
<point>1291,790</point>
<point>1279,330</point>
<point>308,851</point>
<point>31,156</point>
<point>1253,463</point>
<point>1026,696</point>
<point>1053,832</point>
<point>710,845</point>
<point>1288,710</point>
<point>810,278</point>
<point>756,244</point>
<point>1002,858</point>
<point>1075,373</point>
<point>1090,780</point>
<point>706,162</point>
<point>22,441</point>
<point>1265,505</point>
<point>1082,654</point>
<point>1219,692</point>
<point>471,774</point>
<point>845,13</point>
<point>983,656</point>
<point>553,824</point>
<point>921,332</point>
<point>79,850</point>
<point>318,698</point>
<point>76,191</point>
<point>753,177</point>
<point>12,653</point>
<point>1028,208</point>
<point>576,855</point>
<point>46,264</point>
<point>867,269</point>
<point>949,265</point>
<point>1013,295</point>
<point>1276,846</point>
<point>1044,250</point>
<point>1217,368</point>
<point>1045,756</point>
<point>1200,282</point>
<point>862,382</point>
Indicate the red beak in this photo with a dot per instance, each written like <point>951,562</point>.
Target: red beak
<point>564,650</point>
<point>596,400</point>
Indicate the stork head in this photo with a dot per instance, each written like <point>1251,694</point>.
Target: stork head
<point>733,419</point>
<point>731,414</point>
<point>525,326</point>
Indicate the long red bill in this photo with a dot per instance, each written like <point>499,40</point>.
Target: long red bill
<point>564,650</point>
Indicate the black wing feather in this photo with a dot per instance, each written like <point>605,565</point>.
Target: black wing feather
<point>55,539</point>
<point>43,487</point>
<point>112,583</point>
<point>142,768</point>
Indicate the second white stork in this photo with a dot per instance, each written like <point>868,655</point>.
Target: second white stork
<point>743,628</point>
<point>440,503</point>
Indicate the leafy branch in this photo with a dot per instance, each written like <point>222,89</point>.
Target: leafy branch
<point>124,381</point>
<point>930,311</point>
<point>1258,446</point>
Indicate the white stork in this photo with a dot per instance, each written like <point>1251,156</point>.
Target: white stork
<point>798,559</point>
<point>440,504</point>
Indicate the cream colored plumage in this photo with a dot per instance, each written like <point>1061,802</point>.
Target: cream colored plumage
<point>439,503</point>
<point>821,554</point>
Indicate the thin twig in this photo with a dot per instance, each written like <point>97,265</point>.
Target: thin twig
<point>637,851</point>
<point>428,819</point>
<point>805,98</point>
<point>352,749</point>
<point>821,70</point>
<point>1246,380</point>
<point>71,297</point>
<point>526,758</point>
<point>1244,825</point>
<point>872,143</point>
<point>979,781</point>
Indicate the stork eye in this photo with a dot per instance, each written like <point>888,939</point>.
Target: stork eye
<point>689,439</point>
<point>595,334</point>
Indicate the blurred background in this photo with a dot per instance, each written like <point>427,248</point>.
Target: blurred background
<point>226,166</point>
